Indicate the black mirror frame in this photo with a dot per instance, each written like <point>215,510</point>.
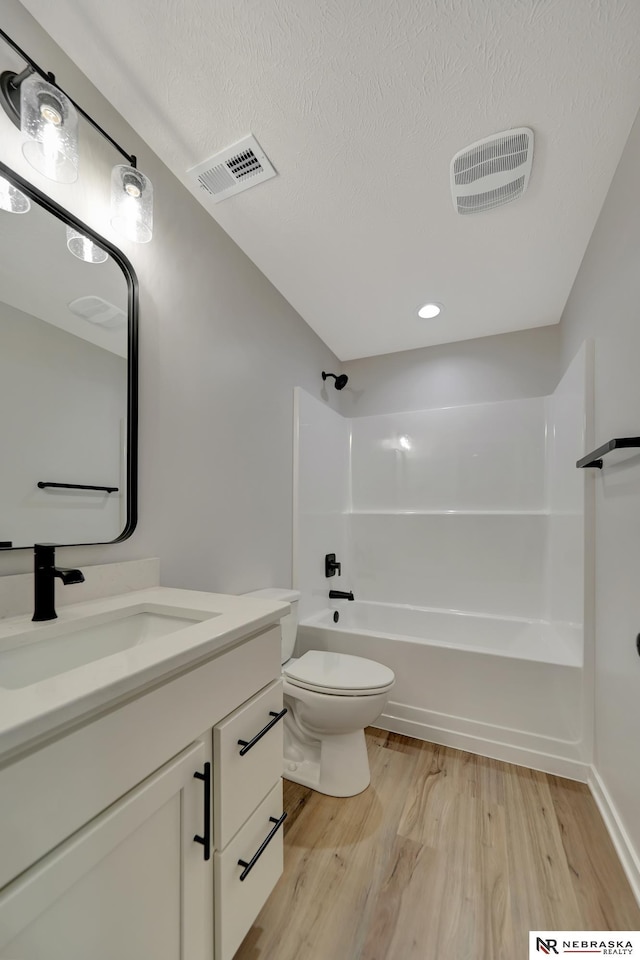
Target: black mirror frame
<point>132,353</point>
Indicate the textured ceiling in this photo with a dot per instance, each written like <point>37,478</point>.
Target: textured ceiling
<point>360,105</point>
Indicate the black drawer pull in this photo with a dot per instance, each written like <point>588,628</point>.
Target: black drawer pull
<point>206,840</point>
<point>247,744</point>
<point>263,846</point>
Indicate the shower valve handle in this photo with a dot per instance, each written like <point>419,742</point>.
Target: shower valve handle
<point>330,566</point>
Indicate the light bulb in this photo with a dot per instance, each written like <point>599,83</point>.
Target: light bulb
<point>429,311</point>
<point>50,115</point>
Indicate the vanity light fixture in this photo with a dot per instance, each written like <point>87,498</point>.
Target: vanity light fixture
<point>48,119</point>
<point>131,203</point>
<point>83,248</point>
<point>430,310</point>
<point>11,199</point>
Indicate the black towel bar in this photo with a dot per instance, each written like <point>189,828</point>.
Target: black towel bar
<point>618,443</point>
<point>75,486</point>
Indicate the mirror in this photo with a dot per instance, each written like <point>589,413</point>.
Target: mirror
<point>68,378</point>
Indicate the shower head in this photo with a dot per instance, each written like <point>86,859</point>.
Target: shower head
<point>340,381</point>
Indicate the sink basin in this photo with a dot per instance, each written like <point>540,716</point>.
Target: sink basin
<point>76,645</point>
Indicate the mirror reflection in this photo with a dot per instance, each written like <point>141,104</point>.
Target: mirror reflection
<point>64,338</point>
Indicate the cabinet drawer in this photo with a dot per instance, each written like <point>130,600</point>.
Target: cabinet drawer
<point>242,780</point>
<point>238,902</point>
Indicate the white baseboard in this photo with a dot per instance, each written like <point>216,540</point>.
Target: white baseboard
<point>624,848</point>
<point>486,740</point>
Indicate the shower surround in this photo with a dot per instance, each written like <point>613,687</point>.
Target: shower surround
<point>461,531</point>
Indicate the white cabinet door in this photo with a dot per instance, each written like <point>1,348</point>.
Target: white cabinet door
<point>132,884</point>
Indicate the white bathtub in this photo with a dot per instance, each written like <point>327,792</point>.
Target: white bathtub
<point>539,640</point>
<point>504,687</point>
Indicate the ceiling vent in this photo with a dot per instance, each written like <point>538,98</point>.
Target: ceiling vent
<point>240,166</point>
<point>492,171</point>
<point>98,311</point>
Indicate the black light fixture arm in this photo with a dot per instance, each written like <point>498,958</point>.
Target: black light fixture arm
<point>19,77</point>
<point>33,67</point>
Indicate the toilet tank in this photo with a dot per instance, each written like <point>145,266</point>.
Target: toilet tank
<point>289,623</point>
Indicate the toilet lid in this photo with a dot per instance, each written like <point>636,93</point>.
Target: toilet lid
<point>321,670</point>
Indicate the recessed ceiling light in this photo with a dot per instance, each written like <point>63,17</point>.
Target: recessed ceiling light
<point>429,310</point>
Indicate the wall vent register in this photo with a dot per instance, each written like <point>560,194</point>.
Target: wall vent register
<point>242,165</point>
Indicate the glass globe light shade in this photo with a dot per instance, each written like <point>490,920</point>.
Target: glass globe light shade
<point>49,124</point>
<point>83,248</point>
<point>131,204</point>
<point>11,199</point>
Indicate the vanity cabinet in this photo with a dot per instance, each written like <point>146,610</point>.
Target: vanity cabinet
<point>100,850</point>
<point>130,883</point>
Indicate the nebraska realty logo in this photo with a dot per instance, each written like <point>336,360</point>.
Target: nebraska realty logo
<point>605,943</point>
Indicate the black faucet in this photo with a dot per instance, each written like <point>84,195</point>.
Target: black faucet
<point>45,573</point>
<point>341,595</point>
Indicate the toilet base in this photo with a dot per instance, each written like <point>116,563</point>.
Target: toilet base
<point>337,766</point>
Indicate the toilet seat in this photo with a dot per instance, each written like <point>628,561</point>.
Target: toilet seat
<point>339,674</point>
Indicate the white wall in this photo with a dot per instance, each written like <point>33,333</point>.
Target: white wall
<point>220,353</point>
<point>505,367</point>
<point>484,456</point>
<point>479,563</point>
<point>604,304</point>
<point>569,419</point>
<point>477,508</point>
<point>321,500</point>
<point>70,399</point>
<point>448,507</point>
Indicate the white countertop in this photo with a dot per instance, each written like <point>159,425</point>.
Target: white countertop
<point>31,713</point>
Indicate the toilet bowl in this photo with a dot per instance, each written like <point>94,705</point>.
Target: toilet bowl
<point>330,699</point>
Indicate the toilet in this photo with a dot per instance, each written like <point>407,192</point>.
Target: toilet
<point>330,699</point>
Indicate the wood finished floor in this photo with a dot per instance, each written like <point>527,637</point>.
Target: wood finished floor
<point>447,856</point>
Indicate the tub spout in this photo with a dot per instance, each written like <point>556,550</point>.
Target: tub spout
<point>341,595</point>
